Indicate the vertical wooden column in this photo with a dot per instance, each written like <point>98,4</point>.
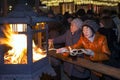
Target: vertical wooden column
<point>5,7</point>
<point>37,2</point>
<point>119,7</point>
<point>60,6</point>
<point>39,37</point>
<point>76,8</point>
<point>0,7</point>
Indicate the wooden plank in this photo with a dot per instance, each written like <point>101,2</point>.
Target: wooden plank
<point>98,67</point>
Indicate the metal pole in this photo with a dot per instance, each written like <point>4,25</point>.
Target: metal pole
<point>29,45</point>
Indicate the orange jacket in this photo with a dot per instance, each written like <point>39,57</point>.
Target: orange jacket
<point>99,46</point>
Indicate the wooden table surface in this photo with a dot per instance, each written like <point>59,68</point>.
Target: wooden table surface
<point>102,68</point>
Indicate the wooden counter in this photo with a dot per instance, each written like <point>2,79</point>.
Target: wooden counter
<point>104,69</point>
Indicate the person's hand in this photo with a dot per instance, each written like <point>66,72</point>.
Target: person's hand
<point>61,50</point>
<point>88,52</point>
<point>50,42</point>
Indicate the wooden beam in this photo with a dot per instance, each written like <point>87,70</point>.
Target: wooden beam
<point>98,67</point>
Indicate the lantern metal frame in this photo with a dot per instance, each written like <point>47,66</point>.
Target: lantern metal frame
<point>30,70</point>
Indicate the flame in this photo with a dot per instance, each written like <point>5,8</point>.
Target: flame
<point>18,52</point>
<point>37,53</point>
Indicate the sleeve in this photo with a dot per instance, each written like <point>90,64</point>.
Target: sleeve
<point>78,44</point>
<point>105,48</point>
<point>99,57</point>
<point>104,55</point>
<point>60,39</point>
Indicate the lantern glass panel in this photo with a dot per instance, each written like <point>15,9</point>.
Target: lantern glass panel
<point>39,44</point>
<point>16,43</point>
<point>18,27</point>
<point>19,43</point>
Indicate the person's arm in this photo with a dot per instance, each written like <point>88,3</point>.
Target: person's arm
<point>105,52</point>
<point>105,48</point>
<point>60,39</point>
<point>77,45</point>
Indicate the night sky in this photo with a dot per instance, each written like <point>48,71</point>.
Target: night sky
<point>13,2</point>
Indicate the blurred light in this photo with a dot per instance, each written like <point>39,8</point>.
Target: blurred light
<point>80,2</point>
<point>10,7</point>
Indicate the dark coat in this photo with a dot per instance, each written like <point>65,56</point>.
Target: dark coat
<point>70,69</point>
<point>68,38</point>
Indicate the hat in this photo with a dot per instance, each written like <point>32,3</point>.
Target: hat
<point>90,12</point>
<point>92,24</point>
<point>78,22</point>
<point>80,12</point>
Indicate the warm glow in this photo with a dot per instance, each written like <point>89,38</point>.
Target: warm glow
<point>41,24</point>
<point>80,2</point>
<point>18,52</point>
<point>18,27</point>
<point>37,53</point>
<point>18,44</point>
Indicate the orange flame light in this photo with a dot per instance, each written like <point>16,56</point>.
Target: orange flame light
<point>18,52</point>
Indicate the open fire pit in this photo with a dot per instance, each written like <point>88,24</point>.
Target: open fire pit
<point>23,49</point>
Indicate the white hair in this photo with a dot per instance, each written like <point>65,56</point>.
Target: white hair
<point>78,22</point>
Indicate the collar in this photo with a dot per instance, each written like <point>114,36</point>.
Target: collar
<point>92,38</point>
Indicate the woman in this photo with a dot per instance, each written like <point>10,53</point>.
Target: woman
<point>69,38</point>
<point>93,44</point>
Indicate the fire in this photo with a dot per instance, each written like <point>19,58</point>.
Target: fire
<point>18,44</point>
<point>18,52</point>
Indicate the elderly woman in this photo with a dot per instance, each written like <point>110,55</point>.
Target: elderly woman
<point>93,44</point>
<point>69,38</point>
<point>91,40</point>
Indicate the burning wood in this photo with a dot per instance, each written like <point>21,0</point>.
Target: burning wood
<point>16,53</point>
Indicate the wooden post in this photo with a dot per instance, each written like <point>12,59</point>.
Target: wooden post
<point>0,7</point>
<point>5,8</point>
<point>37,2</point>
<point>119,8</point>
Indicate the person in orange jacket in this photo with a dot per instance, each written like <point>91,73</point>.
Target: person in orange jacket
<point>93,44</point>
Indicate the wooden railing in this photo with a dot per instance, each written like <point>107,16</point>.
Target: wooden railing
<point>98,67</point>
